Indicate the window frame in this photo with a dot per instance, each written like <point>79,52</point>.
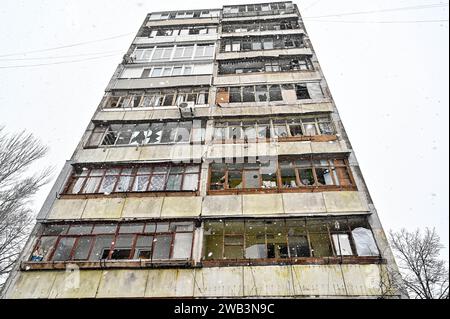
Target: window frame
<point>335,165</point>
<point>134,177</point>
<point>172,232</point>
<point>306,226</point>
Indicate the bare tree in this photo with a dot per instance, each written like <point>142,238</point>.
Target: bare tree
<point>17,186</point>
<point>425,275</point>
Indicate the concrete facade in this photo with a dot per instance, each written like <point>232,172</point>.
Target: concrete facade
<point>323,196</point>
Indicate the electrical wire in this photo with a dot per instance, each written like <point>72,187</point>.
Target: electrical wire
<point>69,45</point>
<point>53,63</point>
<point>381,22</point>
<point>427,6</point>
<point>311,5</point>
<point>59,56</point>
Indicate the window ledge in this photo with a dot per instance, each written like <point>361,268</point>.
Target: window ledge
<point>359,260</point>
<point>105,264</point>
<point>151,108</point>
<point>265,72</point>
<point>302,138</point>
<point>310,189</point>
<point>130,264</point>
<point>129,194</point>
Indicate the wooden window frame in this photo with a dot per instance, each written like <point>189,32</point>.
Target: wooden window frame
<point>307,231</point>
<point>333,166</point>
<point>134,173</point>
<point>115,235</point>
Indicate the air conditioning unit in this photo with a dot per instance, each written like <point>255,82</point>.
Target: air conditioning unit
<point>186,109</point>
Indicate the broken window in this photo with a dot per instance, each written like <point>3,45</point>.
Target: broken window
<point>133,241</point>
<point>319,238</point>
<point>301,91</point>
<point>155,133</point>
<point>297,173</point>
<point>137,179</point>
<point>278,239</point>
<point>258,43</point>
<point>275,93</point>
<point>342,244</point>
<point>261,93</point>
<point>248,94</point>
<point>235,95</point>
<point>44,248</point>
<point>363,239</point>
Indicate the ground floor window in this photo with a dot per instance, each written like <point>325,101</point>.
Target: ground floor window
<point>234,239</point>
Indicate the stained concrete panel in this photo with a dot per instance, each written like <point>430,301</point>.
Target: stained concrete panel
<point>109,116</point>
<point>117,154</point>
<point>287,148</point>
<point>122,283</point>
<point>142,207</point>
<point>91,155</point>
<point>67,209</point>
<point>222,205</point>
<point>137,115</point>
<point>182,152</point>
<point>32,285</point>
<point>188,206</point>
<point>164,283</point>
<point>98,208</point>
<point>318,280</point>
<point>303,203</point>
<point>267,281</point>
<point>155,152</point>
<point>326,147</point>
<point>362,280</point>
<point>76,284</point>
<point>219,282</point>
<point>322,106</point>
<point>262,204</point>
<point>344,201</point>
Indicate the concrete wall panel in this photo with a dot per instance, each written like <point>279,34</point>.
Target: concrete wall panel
<point>67,209</point>
<point>315,280</point>
<point>75,284</point>
<point>303,203</point>
<point>267,281</point>
<point>219,282</point>
<point>118,154</point>
<point>181,207</point>
<point>344,201</point>
<point>268,204</point>
<point>91,155</point>
<point>32,285</point>
<point>103,208</point>
<point>142,207</point>
<point>122,283</point>
<point>165,283</point>
<point>222,205</point>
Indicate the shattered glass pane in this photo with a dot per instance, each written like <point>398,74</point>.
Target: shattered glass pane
<point>63,249</point>
<point>157,183</point>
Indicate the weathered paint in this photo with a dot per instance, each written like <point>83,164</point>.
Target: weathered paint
<point>249,281</point>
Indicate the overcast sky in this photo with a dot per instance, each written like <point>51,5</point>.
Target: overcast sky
<point>388,73</point>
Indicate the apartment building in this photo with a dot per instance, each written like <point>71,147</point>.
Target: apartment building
<point>216,165</point>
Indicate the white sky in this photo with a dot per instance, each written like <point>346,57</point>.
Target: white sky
<point>389,81</point>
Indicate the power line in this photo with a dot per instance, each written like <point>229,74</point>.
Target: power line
<point>59,56</point>
<point>311,5</point>
<point>52,63</point>
<point>427,6</point>
<point>69,45</point>
<point>381,22</point>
